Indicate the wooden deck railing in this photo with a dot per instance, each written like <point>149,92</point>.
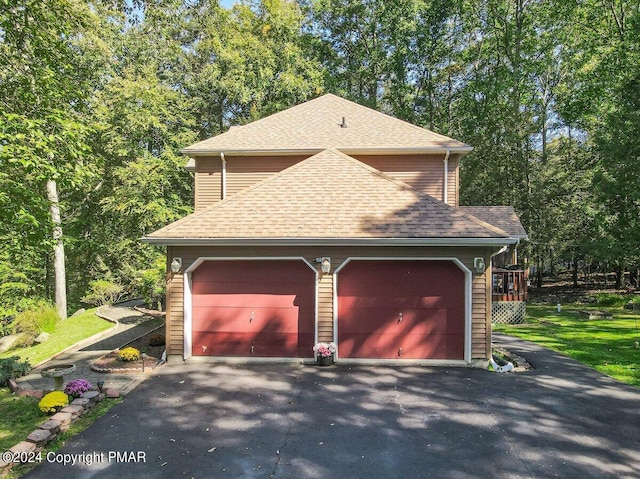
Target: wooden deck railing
<point>509,285</point>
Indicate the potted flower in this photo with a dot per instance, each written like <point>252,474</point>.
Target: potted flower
<point>324,353</point>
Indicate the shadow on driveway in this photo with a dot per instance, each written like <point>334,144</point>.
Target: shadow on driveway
<point>291,421</point>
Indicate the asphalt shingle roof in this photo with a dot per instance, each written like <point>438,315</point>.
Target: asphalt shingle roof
<point>504,217</point>
<point>316,125</point>
<point>329,195</point>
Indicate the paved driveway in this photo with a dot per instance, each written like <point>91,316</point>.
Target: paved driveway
<point>290,421</point>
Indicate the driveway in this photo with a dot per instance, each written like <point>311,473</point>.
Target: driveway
<point>291,421</point>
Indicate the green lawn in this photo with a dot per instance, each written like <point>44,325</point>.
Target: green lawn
<point>21,415</point>
<point>67,333</point>
<point>608,345</point>
<point>18,417</point>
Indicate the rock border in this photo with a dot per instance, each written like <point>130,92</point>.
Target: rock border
<point>522,364</point>
<point>56,424</point>
<point>152,364</point>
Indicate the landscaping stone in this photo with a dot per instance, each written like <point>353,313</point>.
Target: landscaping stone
<point>91,396</point>
<point>7,341</point>
<point>40,437</point>
<point>75,410</point>
<point>112,393</point>
<point>42,337</point>
<point>100,397</point>
<point>63,418</point>
<point>51,425</point>
<point>34,393</point>
<point>24,446</point>
<point>13,385</point>
<point>84,402</point>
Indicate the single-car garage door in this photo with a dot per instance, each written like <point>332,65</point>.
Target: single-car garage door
<point>253,308</point>
<point>401,309</point>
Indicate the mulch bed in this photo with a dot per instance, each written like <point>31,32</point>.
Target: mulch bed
<point>109,363</point>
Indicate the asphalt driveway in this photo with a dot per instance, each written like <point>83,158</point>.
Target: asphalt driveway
<point>291,421</point>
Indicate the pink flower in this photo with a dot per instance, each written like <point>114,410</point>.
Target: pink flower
<point>324,349</point>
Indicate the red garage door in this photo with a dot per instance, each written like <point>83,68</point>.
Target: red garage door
<point>401,309</point>
<point>253,308</point>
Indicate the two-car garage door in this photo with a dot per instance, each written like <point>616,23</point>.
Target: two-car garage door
<point>403,309</point>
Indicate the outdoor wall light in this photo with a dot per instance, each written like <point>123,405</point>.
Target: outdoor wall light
<point>478,264</point>
<point>176,265</point>
<point>325,264</point>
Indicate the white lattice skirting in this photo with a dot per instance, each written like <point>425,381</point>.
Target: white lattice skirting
<point>512,312</point>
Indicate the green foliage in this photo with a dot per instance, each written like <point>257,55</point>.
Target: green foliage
<point>20,416</point>
<point>128,354</point>
<point>69,332</point>
<point>157,340</point>
<point>610,299</point>
<point>104,292</point>
<point>151,284</point>
<point>608,345</point>
<point>30,323</point>
<point>11,368</point>
<point>53,402</point>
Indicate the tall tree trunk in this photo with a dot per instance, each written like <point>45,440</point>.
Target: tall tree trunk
<point>575,272</point>
<point>58,251</point>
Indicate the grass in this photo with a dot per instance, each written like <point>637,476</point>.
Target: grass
<point>67,333</point>
<point>607,345</point>
<point>76,427</point>
<point>18,417</point>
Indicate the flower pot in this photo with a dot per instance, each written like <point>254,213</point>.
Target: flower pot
<point>325,360</point>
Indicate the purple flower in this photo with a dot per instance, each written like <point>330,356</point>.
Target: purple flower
<point>77,387</point>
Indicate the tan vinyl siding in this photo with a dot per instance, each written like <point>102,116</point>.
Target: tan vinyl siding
<point>175,308</point>
<point>479,314</point>
<point>243,171</point>
<point>452,180</point>
<point>208,181</point>
<point>423,172</point>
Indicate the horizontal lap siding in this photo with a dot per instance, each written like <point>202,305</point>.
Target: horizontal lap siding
<point>244,172</point>
<point>326,284</point>
<point>175,314</point>
<point>423,172</point>
<point>452,181</point>
<point>208,182</point>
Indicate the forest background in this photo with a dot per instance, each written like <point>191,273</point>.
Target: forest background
<point>97,98</point>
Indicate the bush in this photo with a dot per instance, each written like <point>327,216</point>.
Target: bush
<point>103,292</point>
<point>11,368</point>
<point>129,354</point>
<point>157,340</point>
<point>35,320</point>
<point>77,387</point>
<point>53,402</point>
<point>610,299</point>
<point>151,283</point>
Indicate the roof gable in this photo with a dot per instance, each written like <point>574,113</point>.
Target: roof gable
<point>318,125</point>
<point>329,195</point>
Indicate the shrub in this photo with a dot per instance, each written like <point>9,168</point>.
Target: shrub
<point>610,299</point>
<point>103,292</point>
<point>53,402</point>
<point>11,368</point>
<point>151,283</point>
<point>157,340</point>
<point>129,354</point>
<point>30,323</point>
<point>76,387</point>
